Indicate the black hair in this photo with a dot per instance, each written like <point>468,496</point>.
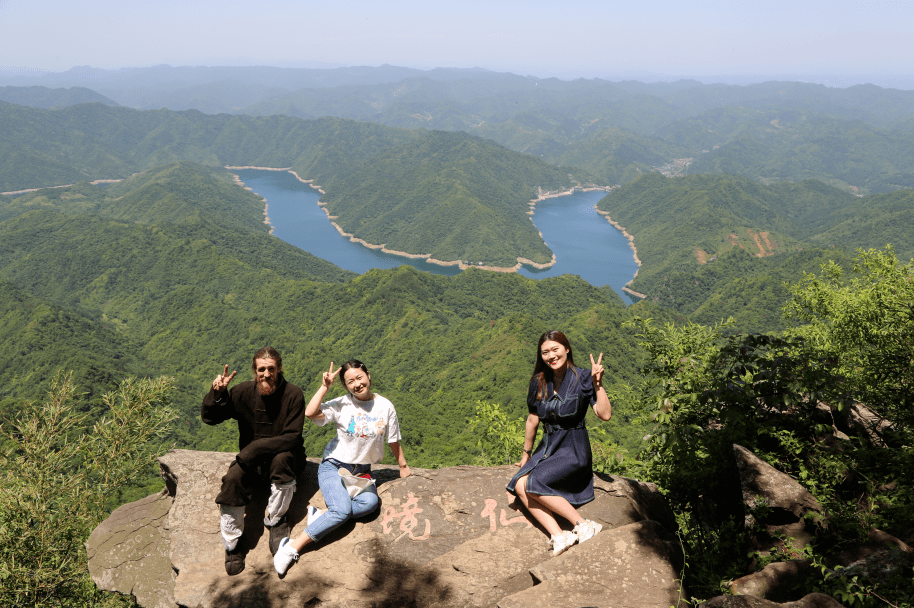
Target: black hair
<point>542,372</point>
<point>353,364</point>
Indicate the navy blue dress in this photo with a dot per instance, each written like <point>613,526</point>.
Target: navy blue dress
<point>562,464</point>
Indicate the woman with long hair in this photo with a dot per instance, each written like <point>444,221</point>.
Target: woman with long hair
<point>557,477</point>
<point>363,419</point>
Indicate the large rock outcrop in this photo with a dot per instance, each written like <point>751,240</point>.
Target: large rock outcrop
<point>447,537</point>
<point>813,600</point>
<point>789,509</point>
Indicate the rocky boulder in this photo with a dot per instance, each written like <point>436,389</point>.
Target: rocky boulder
<point>776,501</point>
<point>775,582</point>
<point>129,552</point>
<point>626,566</point>
<point>866,422</point>
<point>813,600</point>
<point>876,541</point>
<point>447,537</point>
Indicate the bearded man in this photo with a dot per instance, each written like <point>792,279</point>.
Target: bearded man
<point>270,414</point>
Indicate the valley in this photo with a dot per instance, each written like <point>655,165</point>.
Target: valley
<point>762,233</point>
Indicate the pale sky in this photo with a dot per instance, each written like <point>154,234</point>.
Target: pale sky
<point>651,39</point>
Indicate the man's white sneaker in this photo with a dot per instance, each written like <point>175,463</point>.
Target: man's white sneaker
<point>586,530</point>
<point>313,513</point>
<point>562,541</point>
<point>284,556</point>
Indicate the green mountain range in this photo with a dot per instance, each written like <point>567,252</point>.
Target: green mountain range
<point>713,246</point>
<point>43,97</point>
<point>171,270</point>
<point>454,196</point>
<point>176,256</point>
<point>449,195</point>
<point>615,131</point>
<point>108,284</point>
<point>857,138</point>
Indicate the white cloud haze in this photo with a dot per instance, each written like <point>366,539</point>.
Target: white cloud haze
<point>653,38</point>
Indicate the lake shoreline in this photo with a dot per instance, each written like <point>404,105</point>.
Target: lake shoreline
<point>266,206</point>
<point>521,261</point>
<point>631,243</point>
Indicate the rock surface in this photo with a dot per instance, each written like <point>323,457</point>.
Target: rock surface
<point>790,506</point>
<point>626,566</point>
<point>866,422</point>
<point>886,569</point>
<point>447,537</point>
<point>876,541</point>
<point>129,552</point>
<point>775,581</point>
<point>813,600</point>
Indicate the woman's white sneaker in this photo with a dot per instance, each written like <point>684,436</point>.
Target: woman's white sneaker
<point>586,530</point>
<point>562,541</point>
<point>284,557</point>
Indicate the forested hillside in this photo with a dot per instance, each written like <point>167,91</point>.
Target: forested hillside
<point>740,285</point>
<point>452,196</point>
<point>39,338</point>
<point>457,197</point>
<point>109,284</point>
<point>716,246</point>
<point>388,186</point>
<point>774,131</point>
<point>857,138</point>
<point>777,145</point>
<point>712,245</point>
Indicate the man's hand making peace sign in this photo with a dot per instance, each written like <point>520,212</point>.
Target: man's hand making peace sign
<point>222,381</point>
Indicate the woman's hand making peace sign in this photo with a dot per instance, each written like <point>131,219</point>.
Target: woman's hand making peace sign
<point>596,369</point>
<point>602,408</point>
<point>328,377</point>
<point>313,409</point>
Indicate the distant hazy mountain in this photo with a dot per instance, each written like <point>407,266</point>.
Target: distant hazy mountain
<point>43,97</point>
<point>856,138</point>
<point>217,89</point>
<point>613,131</point>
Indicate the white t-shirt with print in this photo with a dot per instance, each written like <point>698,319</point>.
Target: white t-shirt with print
<point>361,427</point>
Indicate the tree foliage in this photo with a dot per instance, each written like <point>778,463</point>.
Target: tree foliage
<point>707,390</point>
<point>787,399</point>
<point>866,325</point>
<point>60,478</point>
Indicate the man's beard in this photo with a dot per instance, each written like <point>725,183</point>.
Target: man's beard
<point>265,388</point>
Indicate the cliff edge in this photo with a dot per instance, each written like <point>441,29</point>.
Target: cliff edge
<point>445,537</point>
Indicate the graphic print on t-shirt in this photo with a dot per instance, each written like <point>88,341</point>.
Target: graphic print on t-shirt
<point>365,425</point>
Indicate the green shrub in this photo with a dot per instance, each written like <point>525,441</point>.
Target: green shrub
<point>501,439</point>
<point>56,481</point>
<point>783,397</point>
<point>866,326</point>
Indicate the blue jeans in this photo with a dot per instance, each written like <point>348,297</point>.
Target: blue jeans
<point>339,506</point>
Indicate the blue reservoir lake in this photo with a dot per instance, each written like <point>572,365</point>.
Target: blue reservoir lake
<point>583,241</point>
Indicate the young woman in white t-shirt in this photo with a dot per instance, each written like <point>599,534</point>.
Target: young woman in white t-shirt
<point>363,419</point>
